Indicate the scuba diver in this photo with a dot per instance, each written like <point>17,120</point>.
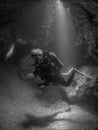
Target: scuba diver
<point>49,67</point>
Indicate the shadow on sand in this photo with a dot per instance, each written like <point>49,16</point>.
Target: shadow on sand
<point>33,121</point>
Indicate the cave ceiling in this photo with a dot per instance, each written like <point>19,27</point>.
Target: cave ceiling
<point>10,9</point>
<point>84,13</point>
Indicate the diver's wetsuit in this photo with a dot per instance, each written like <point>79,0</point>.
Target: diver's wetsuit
<point>48,67</point>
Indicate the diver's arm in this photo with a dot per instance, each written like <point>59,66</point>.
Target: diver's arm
<point>56,60</point>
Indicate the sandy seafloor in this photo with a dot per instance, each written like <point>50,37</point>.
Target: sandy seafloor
<point>22,107</point>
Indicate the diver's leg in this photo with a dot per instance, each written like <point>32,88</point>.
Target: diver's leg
<point>70,78</point>
<point>58,78</point>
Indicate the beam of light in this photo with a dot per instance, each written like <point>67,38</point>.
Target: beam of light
<point>63,32</point>
<point>59,2</point>
<point>61,23</point>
